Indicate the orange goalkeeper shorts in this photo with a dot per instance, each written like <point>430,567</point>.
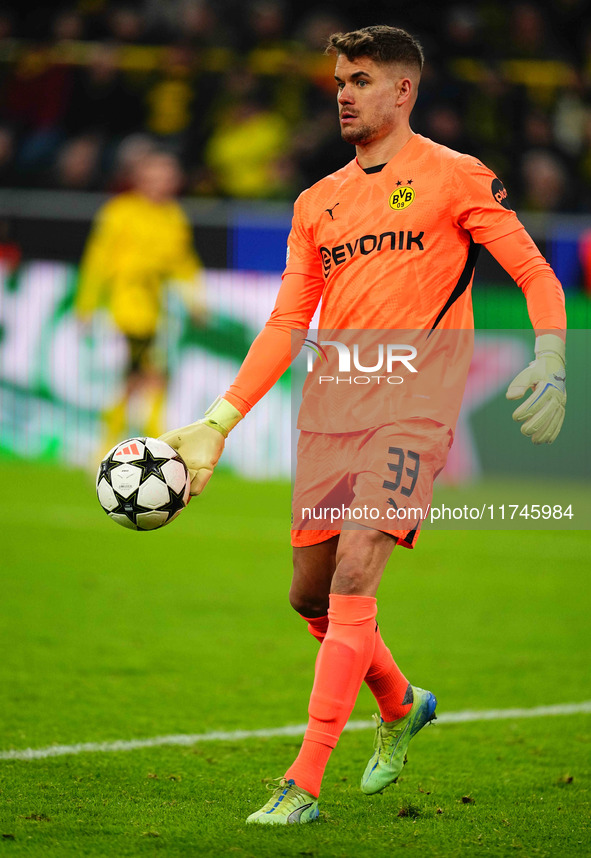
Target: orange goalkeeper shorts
<point>378,478</point>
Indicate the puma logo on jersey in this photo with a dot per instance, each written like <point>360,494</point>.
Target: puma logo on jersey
<point>398,240</point>
<point>330,211</point>
<point>499,193</point>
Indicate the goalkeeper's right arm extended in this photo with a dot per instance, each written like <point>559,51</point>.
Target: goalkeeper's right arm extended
<point>201,444</point>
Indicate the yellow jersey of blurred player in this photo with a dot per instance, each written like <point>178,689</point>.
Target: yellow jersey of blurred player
<point>141,243</point>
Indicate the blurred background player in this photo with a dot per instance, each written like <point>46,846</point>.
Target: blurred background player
<point>140,244</point>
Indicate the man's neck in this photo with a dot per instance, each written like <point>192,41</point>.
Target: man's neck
<point>156,199</point>
<point>381,151</point>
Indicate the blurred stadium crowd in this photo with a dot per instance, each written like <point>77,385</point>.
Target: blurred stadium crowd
<point>243,94</point>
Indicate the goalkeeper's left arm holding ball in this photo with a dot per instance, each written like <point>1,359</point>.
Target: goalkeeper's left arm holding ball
<point>201,444</point>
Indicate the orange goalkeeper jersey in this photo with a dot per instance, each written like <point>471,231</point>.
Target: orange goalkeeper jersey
<point>395,248</point>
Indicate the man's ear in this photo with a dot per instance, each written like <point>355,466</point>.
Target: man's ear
<point>405,88</point>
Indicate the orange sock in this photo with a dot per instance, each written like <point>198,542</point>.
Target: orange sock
<point>317,626</point>
<point>387,683</point>
<point>384,678</point>
<point>343,661</point>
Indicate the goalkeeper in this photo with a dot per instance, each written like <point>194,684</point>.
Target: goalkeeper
<point>388,243</point>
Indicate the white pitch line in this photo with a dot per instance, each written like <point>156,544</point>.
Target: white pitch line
<point>187,739</point>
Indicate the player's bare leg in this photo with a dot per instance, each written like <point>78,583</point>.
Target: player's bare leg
<point>117,416</point>
<point>313,570</point>
<point>360,561</point>
<point>395,727</point>
<point>342,575</point>
<point>344,658</point>
<point>314,567</point>
<point>349,564</point>
<point>155,394</point>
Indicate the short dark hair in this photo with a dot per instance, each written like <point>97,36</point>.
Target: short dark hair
<point>380,43</point>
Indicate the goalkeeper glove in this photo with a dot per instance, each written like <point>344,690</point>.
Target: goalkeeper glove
<point>201,444</point>
<point>541,415</point>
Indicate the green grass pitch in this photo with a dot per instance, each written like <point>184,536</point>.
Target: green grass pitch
<point>107,634</point>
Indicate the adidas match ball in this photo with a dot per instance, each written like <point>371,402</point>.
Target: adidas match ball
<point>143,483</point>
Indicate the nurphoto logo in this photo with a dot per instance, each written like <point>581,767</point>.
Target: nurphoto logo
<point>384,358</point>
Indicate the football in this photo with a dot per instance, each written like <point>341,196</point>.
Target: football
<point>143,484</point>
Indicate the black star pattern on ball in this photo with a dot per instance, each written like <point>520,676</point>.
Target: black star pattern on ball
<point>151,464</point>
<point>409,182</point>
<point>130,507</point>
<point>126,506</point>
<point>105,468</point>
<point>398,183</point>
<point>176,502</point>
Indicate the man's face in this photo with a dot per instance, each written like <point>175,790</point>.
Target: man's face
<point>367,95</point>
<point>158,177</point>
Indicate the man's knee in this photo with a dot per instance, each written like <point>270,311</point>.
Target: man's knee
<point>313,568</point>
<point>309,605</point>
